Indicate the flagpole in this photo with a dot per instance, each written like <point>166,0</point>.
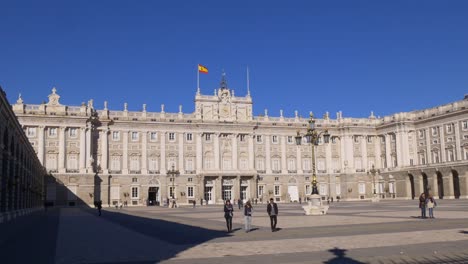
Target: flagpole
<point>248,82</point>
<point>198,79</point>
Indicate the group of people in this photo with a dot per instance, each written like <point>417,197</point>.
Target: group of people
<point>427,201</point>
<point>272,210</point>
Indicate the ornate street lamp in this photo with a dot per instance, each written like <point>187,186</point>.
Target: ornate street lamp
<point>173,173</point>
<point>312,137</point>
<point>373,171</point>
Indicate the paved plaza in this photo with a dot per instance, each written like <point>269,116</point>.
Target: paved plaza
<point>352,232</point>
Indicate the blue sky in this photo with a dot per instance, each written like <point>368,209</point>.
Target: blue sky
<point>353,56</point>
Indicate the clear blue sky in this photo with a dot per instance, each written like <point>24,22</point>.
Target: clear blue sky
<point>354,56</point>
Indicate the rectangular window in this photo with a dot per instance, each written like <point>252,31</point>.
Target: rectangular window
<point>189,137</point>
<point>73,132</point>
<point>52,132</point>
<point>338,189</point>
<point>134,164</point>
<point>277,190</point>
<point>190,179</point>
<point>207,137</point>
<point>421,133</point>
<point>153,136</point>
<point>260,190</point>
<point>134,136</point>
<point>115,163</point>
<point>115,135</point>
<point>134,192</point>
<point>260,164</point>
<point>171,136</point>
<point>356,139</point>
<point>259,139</point>
<point>134,179</point>
<point>465,125</point>
<point>189,164</point>
<point>290,140</point>
<point>276,178</point>
<point>307,189</point>
<point>242,138</point>
<point>274,139</point>
<point>190,191</point>
<point>31,132</point>
<point>276,164</point>
<point>171,192</point>
<point>72,162</point>
<point>449,128</point>
<point>362,188</point>
<point>306,164</point>
<point>369,140</point>
<point>333,140</point>
<point>434,131</point>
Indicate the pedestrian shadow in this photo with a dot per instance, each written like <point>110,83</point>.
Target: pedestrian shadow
<point>341,257</point>
<point>463,232</point>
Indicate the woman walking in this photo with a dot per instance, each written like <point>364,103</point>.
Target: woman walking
<point>228,214</point>
<point>431,203</point>
<point>248,216</point>
<point>422,205</point>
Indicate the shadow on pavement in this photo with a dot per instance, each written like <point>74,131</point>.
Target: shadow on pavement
<point>341,257</point>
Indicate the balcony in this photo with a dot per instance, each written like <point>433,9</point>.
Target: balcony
<point>153,172</point>
<point>336,171</point>
<point>72,171</point>
<point>276,171</point>
<point>292,171</point>
<point>115,172</point>
<point>307,171</point>
<point>322,171</point>
<point>53,171</point>
<point>135,172</point>
<point>261,171</point>
<point>360,170</point>
<point>190,171</point>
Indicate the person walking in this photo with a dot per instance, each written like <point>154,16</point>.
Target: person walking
<point>228,214</point>
<point>431,203</point>
<point>239,203</point>
<point>248,216</point>
<point>99,207</point>
<point>272,209</point>
<point>422,205</point>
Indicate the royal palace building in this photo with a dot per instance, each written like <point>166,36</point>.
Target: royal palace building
<point>222,151</point>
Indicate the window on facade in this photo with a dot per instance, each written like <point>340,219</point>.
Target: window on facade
<point>153,164</point>
<point>243,164</point>
<point>449,128</point>
<point>189,164</point>
<point>274,139</point>
<point>208,137</point>
<point>190,179</point>
<point>260,163</point>
<point>276,178</point>
<point>321,164</point>
<point>362,188</point>
<point>171,136</point>
<point>115,163</point>
<point>306,164</point>
<point>190,191</point>
<point>434,131</point>
<point>242,138</point>
<point>465,125</point>
<point>291,164</point>
<point>369,140</point>
<point>73,132</point>
<point>226,191</point>
<point>338,189</point>
<point>31,131</point>
<point>134,192</point>
<point>172,163</point>
<point>422,158</point>
<point>333,140</point>
<point>307,178</point>
<point>450,155</point>
<point>421,133</point>
<point>260,190</point>
<point>227,163</point>
<point>323,189</point>
<point>134,179</point>
<point>393,136</point>
<point>356,139</point>
<point>53,132</point>
<point>172,192</point>
<point>290,140</point>
<point>307,189</point>
<point>134,136</point>
<point>72,162</point>
<point>115,135</point>
<point>51,163</point>
<point>277,190</point>
<point>189,137</point>
<point>134,164</point>
<point>276,164</point>
<point>435,141</point>
<point>208,162</point>
<point>153,136</point>
<point>259,139</point>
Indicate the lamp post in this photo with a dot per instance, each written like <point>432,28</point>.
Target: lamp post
<point>173,173</point>
<point>373,171</point>
<point>312,137</point>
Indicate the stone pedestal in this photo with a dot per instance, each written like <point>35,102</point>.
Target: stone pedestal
<point>315,206</point>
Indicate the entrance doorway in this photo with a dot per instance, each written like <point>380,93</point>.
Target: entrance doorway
<point>153,196</point>
<point>456,184</point>
<point>293,193</point>
<point>209,194</point>
<point>243,193</point>
<point>440,185</point>
<point>227,192</point>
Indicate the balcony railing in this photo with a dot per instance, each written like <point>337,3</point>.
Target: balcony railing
<point>360,170</point>
<point>153,172</point>
<point>307,171</point>
<point>72,171</point>
<point>135,172</point>
<point>336,171</point>
<point>322,171</point>
<point>276,171</point>
<point>261,171</point>
<point>292,171</point>
<point>115,171</point>
<point>190,171</point>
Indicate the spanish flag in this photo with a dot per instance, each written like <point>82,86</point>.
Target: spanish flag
<point>202,69</point>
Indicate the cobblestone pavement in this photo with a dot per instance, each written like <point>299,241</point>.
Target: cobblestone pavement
<point>352,232</point>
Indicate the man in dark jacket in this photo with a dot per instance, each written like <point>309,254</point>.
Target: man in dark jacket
<point>272,210</point>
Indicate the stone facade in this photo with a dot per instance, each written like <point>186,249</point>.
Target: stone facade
<point>221,151</point>
<point>21,173</point>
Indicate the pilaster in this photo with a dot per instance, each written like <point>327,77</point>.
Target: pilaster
<point>144,152</point>
<point>181,152</point>
<point>284,167</point>
<point>216,150</point>
<point>268,154</point>
<point>388,151</point>
<point>125,152</point>
<point>234,151</point>
<point>163,152</point>
<point>82,150</point>
<point>442,143</point>
<point>199,153</point>
<point>61,156</point>
<point>428,146</point>
<point>457,141</point>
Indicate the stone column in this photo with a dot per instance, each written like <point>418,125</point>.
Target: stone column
<point>163,153</point>
<point>399,151</point>
<point>125,152</point>
<point>41,145</point>
<point>299,160</point>
<point>234,151</point>
<point>405,147</point>
<point>457,142</point>
<point>82,150</point>
<point>181,153</point>
<point>61,164</point>
<point>428,146</point>
<point>89,152</point>
<point>144,152</point>
<point>199,153</point>
<point>349,151</point>
<point>415,148</point>
<point>284,167</point>
<point>377,152</point>
<point>268,154</point>
<point>344,162</point>
<point>388,151</point>
<point>251,153</point>
<point>328,157</point>
<point>365,166</point>
<point>216,150</point>
<point>105,151</point>
<point>434,186</point>
<point>442,144</point>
